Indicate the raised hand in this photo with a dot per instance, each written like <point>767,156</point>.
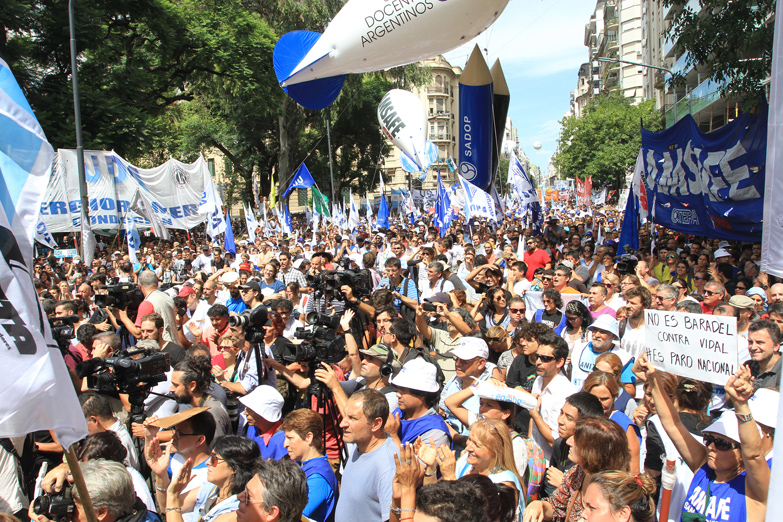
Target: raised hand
<point>409,471</point>
<point>157,460</point>
<point>427,453</point>
<point>178,483</point>
<point>739,388</point>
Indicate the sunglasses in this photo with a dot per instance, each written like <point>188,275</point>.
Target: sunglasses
<point>720,444</point>
<point>700,278</point>
<point>710,292</point>
<point>517,310</point>
<point>662,297</point>
<point>545,358</point>
<point>214,460</point>
<point>739,288</point>
<point>546,278</point>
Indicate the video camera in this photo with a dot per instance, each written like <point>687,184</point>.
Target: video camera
<point>125,296</point>
<point>252,322</point>
<point>55,506</point>
<point>134,372</point>
<point>329,282</point>
<point>626,263</point>
<point>63,330</point>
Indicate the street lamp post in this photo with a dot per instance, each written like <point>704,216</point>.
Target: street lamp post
<point>650,66</point>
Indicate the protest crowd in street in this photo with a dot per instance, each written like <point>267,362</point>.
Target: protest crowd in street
<point>397,373</point>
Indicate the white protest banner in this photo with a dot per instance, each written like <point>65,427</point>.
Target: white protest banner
<point>65,252</point>
<point>702,347</point>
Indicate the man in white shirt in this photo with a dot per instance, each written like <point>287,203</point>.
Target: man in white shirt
<point>552,388</point>
<point>436,282</point>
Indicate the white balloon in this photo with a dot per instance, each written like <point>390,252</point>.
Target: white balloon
<point>373,35</point>
<point>537,145</point>
<point>404,121</point>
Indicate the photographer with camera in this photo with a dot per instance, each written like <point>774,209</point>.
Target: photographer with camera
<point>403,289</point>
<point>458,323</point>
<point>155,301</point>
<point>111,491</point>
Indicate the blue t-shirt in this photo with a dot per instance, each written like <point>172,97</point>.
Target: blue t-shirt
<point>321,489</point>
<point>275,450</point>
<point>277,287</point>
<point>727,499</point>
<point>236,305</point>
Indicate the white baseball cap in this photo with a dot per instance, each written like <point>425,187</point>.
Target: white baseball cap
<point>726,425</point>
<point>418,375</point>
<point>265,401</point>
<point>764,406</point>
<point>470,348</point>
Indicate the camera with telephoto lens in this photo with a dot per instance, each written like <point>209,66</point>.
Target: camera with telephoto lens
<point>626,263</point>
<point>252,322</point>
<point>317,346</point>
<point>124,296</point>
<point>62,329</point>
<point>329,282</point>
<point>55,506</point>
<point>133,372</point>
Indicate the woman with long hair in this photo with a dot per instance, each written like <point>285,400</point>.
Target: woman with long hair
<point>492,310</point>
<point>489,452</point>
<point>550,314</point>
<point>65,291</point>
<point>618,496</point>
<point>578,318</point>
<point>606,388</point>
<point>228,372</point>
<point>229,469</point>
<point>683,272</point>
<point>612,364</point>
<point>598,445</point>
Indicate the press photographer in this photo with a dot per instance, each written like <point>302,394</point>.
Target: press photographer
<point>111,491</point>
<point>155,301</point>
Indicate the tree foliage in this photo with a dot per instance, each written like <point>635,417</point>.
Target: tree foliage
<point>733,40</point>
<point>161,78</point>
<point>605,141</point>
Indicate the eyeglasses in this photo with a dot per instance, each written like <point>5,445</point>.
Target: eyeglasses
<point>517,310</point>
<point>546,278</point>
<point>214,460</point>
<point>608,285</point>
<point>545,358</point>
<point>720,444</point>
<point>500,298</point>
<point>179,434</point>
<point>662,297</point>
<point>710,292</point>
<point>700,278</point>
<point>244,290</point>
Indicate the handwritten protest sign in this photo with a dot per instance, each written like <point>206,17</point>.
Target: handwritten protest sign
<point>702,347</point>
<point>69,252</point>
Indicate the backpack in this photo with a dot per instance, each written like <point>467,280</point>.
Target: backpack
<point>406,311</point>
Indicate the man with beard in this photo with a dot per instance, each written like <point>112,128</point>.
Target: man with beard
<point>535,258</point>
<point>189,384</point>
<point>194,431</point>
<point>234,303</point>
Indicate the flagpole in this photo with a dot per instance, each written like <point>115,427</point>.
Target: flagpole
<point>81,486</point>
<point>331,169</point>
<point>77,116</point>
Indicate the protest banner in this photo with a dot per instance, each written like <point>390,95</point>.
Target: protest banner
<point>702,347</point>
<point>65,252</point>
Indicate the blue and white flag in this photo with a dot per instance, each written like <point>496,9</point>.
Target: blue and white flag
<point>354,220</point>
<point>43,236</point>
<point>134,242</point>
<point>302,180</point>
<point>251,221</point>
<point>526,195</point>
<point>37,392</point>
<point>211,205</point>
<point>408,165</point>
<point>442,209</point>
<point>478,204</point>
<point>288,226</point>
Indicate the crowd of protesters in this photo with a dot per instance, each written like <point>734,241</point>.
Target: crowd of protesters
<point>488,374</point>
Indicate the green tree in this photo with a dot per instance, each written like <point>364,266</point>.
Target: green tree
<point>605,141</point>
<point>733,40</point>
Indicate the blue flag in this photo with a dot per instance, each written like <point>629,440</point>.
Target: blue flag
<point>629,233</point>
<point>229,239</point>
<point>302,180</point>
<point>382,221</point>
<point>288,225</point>
<point>442,209</point>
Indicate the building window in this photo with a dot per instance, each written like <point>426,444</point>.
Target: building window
<point>302,197</point>
<point>211,166</point>
<point>432,130</point>
<point>439,83</point>
<point>443,133</point>
<point>440,104</point>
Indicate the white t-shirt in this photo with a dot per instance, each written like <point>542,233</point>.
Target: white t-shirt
<point>552,399</point>
<point>633,344</point>
<point>521,287</point>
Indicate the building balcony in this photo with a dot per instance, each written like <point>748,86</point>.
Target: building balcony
<point>700,98</point>
<point>443,91</point>
<point>442,137</point>
<point>611,22</point>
